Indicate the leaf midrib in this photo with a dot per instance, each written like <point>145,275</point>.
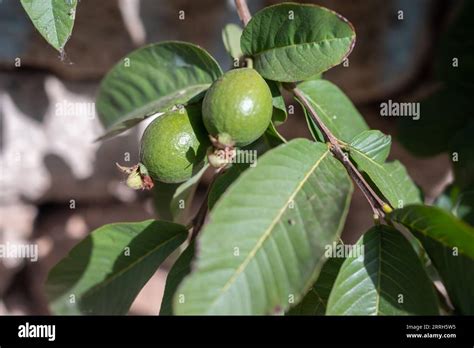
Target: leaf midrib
<point>267,232</point>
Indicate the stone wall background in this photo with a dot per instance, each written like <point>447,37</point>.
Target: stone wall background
<point>56,184</point>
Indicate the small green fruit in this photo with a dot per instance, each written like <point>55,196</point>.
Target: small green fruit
<point>238,105</point>
<point>173,147</point>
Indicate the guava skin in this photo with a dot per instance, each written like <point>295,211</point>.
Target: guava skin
<point>238,104</point>
<point>173,147</point>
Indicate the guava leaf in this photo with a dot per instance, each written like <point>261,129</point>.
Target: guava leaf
<point>386,279</point>
<point>54,19</point>
<point>273,137</point>
<point>173,201</point>
<point>152,79</point>
<point>292,42</point>
<point>312,126</point>
<point>391,179</point>
<point>270,139</point>
<point>369,150</point>
<point>180,269</point>
<point>265,240</point>
<point>373,144</point>
<point>231,37</point>
<point>315,301</point>
<point>334,109</point>
<point>223,182</point>
<point>279,115</point>
<point>449,243</point>
<point>105,272</point>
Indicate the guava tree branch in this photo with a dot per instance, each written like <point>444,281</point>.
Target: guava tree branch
<point>375,202</point>
<point>243,11</point>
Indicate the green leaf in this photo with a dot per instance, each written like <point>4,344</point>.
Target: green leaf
<point>334,109</point>
<point>315,301</point>
<point>279,115</point>
<point>373,144</point>
<point>273,137</point>
<point>223,182</point>
<point>180,269</point>
<point>105,272</point>
<point>435,223</point>
<point>152,79</point>
<point>173,201</point>
<point>386,279</point>
<point>270,139</point>
<point>441,115</point>
<point>391,179</point>
<point>231,37</point>
<point>292,42</point>
<point>264,244</point>
<point>312,126</point>
<point>449,243</point>
<point>54,19</point>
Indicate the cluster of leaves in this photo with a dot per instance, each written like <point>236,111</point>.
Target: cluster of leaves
<point>263,250</point>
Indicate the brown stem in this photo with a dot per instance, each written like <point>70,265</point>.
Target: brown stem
<point>314,115</point>
<point>371,197</point>
<point>374,200</point>
<point>243,11</point>
<point>200,218</point>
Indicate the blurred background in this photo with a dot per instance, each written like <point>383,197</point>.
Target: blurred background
<point>57,185</point>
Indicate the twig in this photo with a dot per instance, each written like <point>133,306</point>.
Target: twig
<point>243,11</point>
<point>314,115</point>
<point>376,203</point>
<point>371,197</point>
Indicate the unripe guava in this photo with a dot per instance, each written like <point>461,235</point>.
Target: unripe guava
<point>238,105</point>
<point>174,145</point>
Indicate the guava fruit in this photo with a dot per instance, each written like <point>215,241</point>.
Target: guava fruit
<point>173,147</point>
<point>238,106</point>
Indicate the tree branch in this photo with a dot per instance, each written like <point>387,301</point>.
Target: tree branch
<point>374,200</point>
<point>243,11</point>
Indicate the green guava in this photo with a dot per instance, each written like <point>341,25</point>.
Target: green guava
<point>173,147</point>
<point>238,105</point>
